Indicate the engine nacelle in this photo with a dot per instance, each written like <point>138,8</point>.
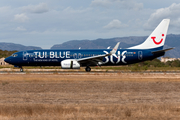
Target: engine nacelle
<point>70,64</point>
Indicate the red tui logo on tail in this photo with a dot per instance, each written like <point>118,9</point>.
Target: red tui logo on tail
<point>157,43</point>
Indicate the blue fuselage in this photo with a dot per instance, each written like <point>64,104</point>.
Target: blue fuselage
<point>54,57</point>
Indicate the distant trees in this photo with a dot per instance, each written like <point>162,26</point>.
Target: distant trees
<point>158,63</point>
<point>6,53</point>
<point>154,63</point>
<point>175,63</point>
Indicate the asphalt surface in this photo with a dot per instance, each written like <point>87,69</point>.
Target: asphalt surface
<point>84,72</point>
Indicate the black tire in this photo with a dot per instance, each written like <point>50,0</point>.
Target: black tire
<point>21,70</point>
<point>88,69</point>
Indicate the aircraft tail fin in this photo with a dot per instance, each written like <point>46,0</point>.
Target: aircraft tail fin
<point>157,37</point>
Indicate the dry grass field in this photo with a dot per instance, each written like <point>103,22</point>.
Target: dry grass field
<point>90,96</point>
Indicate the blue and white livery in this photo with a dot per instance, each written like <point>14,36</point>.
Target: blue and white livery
<point>151,48</point>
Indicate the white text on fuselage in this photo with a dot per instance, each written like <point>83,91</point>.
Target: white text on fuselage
<point>52,54</point>
<point>121,56</point>
<point>118,56</point>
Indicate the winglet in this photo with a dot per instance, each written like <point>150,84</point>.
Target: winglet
<point>115,48</point>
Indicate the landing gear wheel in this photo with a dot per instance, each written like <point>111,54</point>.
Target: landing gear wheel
<point>21,70</point>
<point>88,69</point>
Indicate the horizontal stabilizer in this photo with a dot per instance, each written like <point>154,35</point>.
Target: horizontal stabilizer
<point>160,51</point>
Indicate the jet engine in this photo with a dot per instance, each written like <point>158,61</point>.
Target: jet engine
<point>70,64</point>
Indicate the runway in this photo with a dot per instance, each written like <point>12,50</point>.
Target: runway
<point>55,71</point>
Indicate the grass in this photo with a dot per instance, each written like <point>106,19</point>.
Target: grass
<point>89,112</point>
<point>6,66</point>
<point>106,96</point>
<point>137,68</point>
<point>5,83</point>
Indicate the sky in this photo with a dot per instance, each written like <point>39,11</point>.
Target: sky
<point>44,23</point>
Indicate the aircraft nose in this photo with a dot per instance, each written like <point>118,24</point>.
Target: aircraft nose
<point>8,60</point>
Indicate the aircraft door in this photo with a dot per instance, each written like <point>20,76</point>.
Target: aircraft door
<point>75,55</point>
<point>79,55</point>
<point>25,56</point>
<point>140,55</point>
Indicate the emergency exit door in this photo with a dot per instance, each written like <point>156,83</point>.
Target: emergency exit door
<point>140,55</point>
<point>25,55</point>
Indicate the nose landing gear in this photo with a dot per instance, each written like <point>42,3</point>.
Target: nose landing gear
<point>21,70</point>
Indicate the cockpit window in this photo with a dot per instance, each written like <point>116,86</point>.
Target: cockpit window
<point>14,55</point>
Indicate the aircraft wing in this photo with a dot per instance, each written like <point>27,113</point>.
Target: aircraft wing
<point>92,60</point>
<point>99,58</point>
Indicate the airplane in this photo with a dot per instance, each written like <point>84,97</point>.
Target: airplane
<point>150,49</point>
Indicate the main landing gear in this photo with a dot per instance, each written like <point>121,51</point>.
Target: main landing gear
<point>21,70</point>
<point>88,69</point>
